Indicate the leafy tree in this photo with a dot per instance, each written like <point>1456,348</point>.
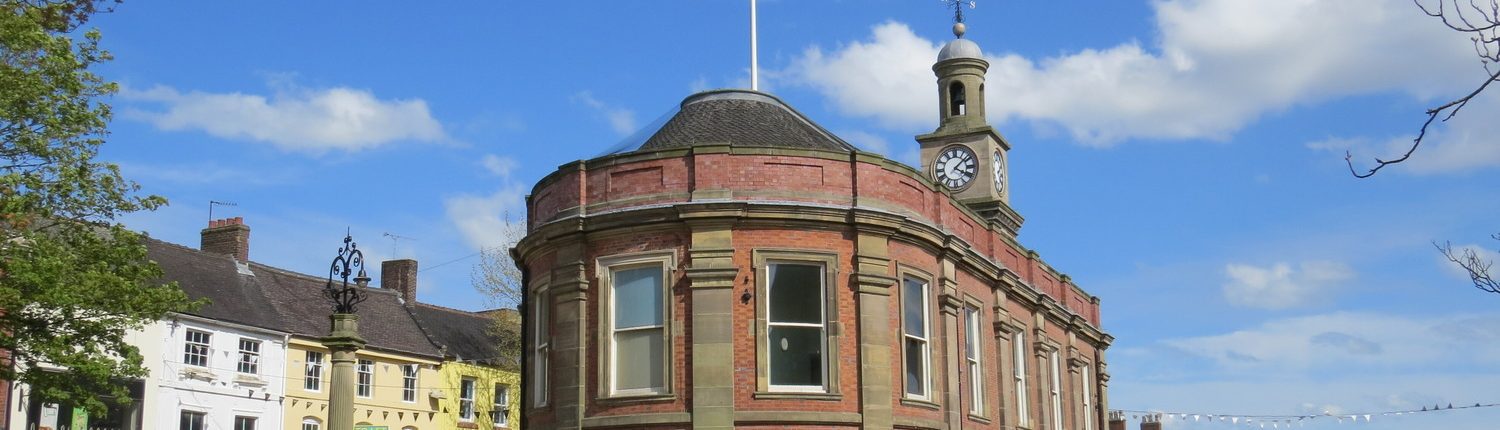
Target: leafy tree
<point>498,279</point>
<point>73,281</point>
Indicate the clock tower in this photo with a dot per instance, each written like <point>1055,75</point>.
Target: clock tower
<point>965,156</point>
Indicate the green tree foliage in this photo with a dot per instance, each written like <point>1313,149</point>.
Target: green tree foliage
<point>73,281</point>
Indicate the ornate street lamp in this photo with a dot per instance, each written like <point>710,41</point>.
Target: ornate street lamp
<point>343,338</point>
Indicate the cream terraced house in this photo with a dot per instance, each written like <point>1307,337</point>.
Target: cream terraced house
<point>252,359</point>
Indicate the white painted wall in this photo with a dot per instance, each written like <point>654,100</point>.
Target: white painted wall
<point>218,389</point>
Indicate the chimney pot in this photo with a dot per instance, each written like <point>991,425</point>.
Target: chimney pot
<point>227,236</point>
<point>401,276</point>
<point>1116,420</point>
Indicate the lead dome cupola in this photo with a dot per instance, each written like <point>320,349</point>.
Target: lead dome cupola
<point>960,48</point>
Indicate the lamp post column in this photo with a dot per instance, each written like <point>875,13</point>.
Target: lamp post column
<point>344,341</point>
<point>343,337</point>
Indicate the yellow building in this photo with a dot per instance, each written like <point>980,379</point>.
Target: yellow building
<point>483,388</point>
<point>393,391</point>
<point>484,396</point>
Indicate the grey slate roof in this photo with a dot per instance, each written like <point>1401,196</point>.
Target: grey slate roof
<point>465,335</point>
<point>281,300</point>
<point>741,118</point>
<point>234,297</point>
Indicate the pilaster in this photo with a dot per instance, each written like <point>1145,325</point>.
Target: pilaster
<point>711,274</point>
<point>872,280</point>
<point>569,292</point>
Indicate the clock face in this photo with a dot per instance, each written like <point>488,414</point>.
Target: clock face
<point>955,167</point>
<point>999,173</point>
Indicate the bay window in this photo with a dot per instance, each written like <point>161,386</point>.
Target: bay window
<point>636,319</point>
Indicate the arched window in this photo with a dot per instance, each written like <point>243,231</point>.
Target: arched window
<point>956,99</point>
<point>311,423</point>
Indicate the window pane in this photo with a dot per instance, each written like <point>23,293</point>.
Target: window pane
<point>971,320</point>
<point>914,352</point>
<point>796,293</point>
<point>638,359</point>
<point>638,297</point>
<point>543,309</point>
<point>912,306</point>
<point>796,355</point>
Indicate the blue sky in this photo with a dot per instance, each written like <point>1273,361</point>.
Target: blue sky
<point>1182,159</point>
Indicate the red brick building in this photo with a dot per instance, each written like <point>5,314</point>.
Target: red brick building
<point>745,268</point>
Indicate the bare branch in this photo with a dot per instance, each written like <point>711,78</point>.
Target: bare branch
<point>1478,268</point>
<point>1451,108</point>
<point>1483,24</point>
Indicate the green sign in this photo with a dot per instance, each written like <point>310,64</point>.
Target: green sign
<point>372,428</point>
<point>80,418</point>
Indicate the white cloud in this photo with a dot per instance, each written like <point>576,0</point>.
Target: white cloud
<point>1463,143</point>
<point>487,221</point>
<point>293,119</point>
<point>1219,65</point>
<point>1281,286</point>
<point>621,120</point>
<point>498,165</point>
<point>1351,341</point>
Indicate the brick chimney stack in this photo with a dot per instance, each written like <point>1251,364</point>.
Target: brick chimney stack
<point>1116,420</point>
<point>1151,422</point>
<point>229,236</point>
<point>400,275</point>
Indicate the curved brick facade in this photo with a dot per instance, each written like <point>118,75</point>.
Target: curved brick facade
<point>715,218</point>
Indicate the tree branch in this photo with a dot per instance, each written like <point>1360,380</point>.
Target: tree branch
<point>1478,268</point>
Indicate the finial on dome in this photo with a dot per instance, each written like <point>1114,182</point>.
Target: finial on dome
<point>958,15</point>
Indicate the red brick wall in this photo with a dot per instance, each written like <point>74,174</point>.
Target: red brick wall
<point>847,354</point>
<point>773,177</point>
<point>681,310</point>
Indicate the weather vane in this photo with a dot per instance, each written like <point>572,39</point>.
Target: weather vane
<point>958,9</point>
<point>958,14</point>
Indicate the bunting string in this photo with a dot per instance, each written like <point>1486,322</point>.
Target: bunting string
<point>1284,421</point>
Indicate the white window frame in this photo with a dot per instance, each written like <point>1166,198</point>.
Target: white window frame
<point>542,346</point>
<point>1056,393</point>
<point>254,422</point>
<point>311,423</point>
<point>466,387</point>
<point>184,422</point>
<point>974,357</point>
<point>1088,394</point>
<point>925,338</point>
<point>312,372</point>
<point>501,408</point>
<point>249,362</point>
<point>606,269</point>
<point>364,379</point>
<point>409,375</point>
<point>196,350</point>
<point>822,325</point>
<point>1023,407</point>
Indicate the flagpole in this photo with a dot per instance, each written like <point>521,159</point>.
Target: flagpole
<point>754,67</point>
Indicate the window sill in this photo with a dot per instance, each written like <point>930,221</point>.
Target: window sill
<point>637,398</point>
<point>921,404</point>
<point>797,395</point>
<point>467,425</point>
<point>978,418</point>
